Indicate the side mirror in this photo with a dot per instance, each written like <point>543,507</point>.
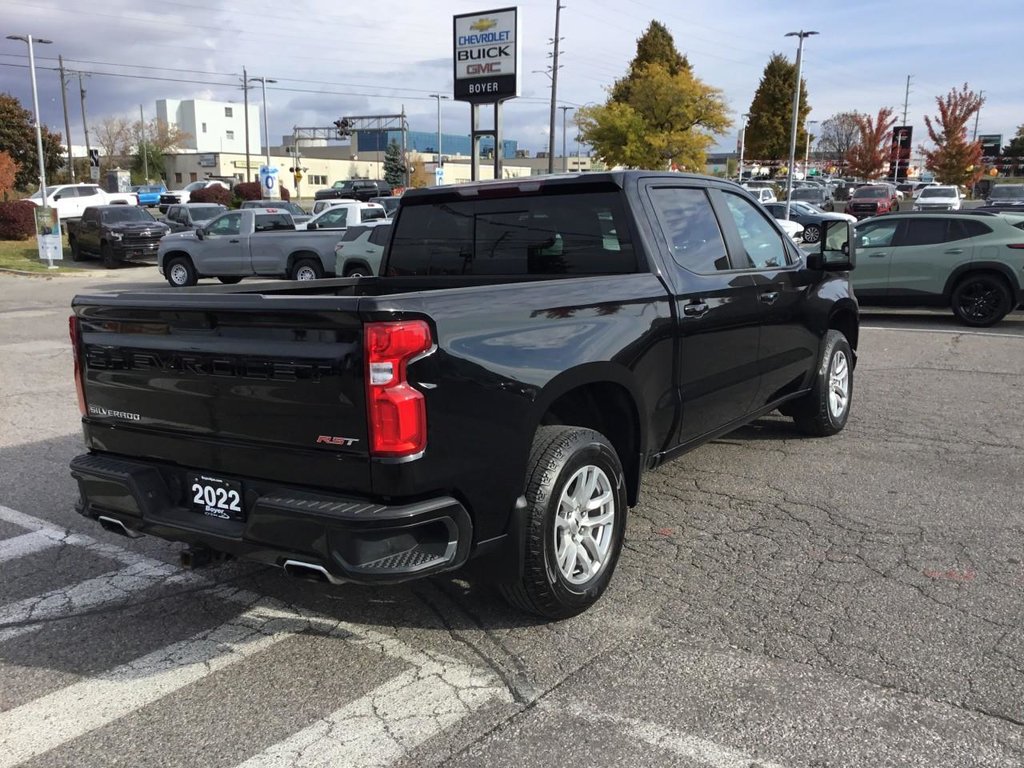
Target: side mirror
<point>200,233</point>
<point>836,251</point>
<point>56,197</point>
<point>311,225</point>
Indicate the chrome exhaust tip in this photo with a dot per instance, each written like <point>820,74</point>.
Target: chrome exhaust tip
<point>114,525</point>
<point>310,572</point>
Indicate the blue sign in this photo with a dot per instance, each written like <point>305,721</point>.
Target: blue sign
<point>269,182</point>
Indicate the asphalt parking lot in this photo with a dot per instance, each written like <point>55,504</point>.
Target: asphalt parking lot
<point>781,601</point>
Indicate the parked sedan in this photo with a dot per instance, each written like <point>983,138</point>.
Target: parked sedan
<point>808,216</point>
<point>970,262</point>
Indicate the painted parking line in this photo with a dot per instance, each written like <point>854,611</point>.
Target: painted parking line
<point>946,331</point>
<point>27,544</point>
<point>375,729</point>
<point>694,748</point>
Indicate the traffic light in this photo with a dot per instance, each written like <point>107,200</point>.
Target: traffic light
<point>293,169</point>
<point>344,126</point>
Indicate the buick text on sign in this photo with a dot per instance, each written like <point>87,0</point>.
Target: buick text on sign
<point>486,55</point>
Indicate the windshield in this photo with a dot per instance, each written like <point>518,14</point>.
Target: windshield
<point>808,193</point>
<point>126,213</point>
<point>342,185</point>
<point>938,192</point>
<point>201,212</point>
<point>34,195</point>
<point>804,208</point>
<point>195,185</point>
<point>1012,191</point>
<point>871,192</point>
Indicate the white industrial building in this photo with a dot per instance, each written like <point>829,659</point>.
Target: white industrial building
<point>212,126</point>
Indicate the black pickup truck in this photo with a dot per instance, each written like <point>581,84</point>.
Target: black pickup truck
<point>530,349</point>
<point>115,233</point>
<point>354,189</point>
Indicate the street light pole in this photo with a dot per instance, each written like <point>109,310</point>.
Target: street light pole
<point>245,91</point>
<point>807,148</point>
<point>565,160</point>
<point>266,126</point>
<point>27,39</point>
<point>796,115</point>
<point>743,135</point>
<point>439,97</point>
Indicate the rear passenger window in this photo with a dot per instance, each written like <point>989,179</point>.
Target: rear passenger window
<point>762,244</point>
<point>577,234</point>
<point>925,231</point>
<point>691,229</point>
<point>273,222</point>
<point>961,229</point>
<point>379,235</point>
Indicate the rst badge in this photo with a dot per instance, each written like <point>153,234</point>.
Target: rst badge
<point>333,440</point>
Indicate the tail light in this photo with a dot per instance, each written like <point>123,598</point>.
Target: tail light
<point>76,350</point>
<point>397,413</point>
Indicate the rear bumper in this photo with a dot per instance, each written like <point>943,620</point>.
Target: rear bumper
<point>350,539</point>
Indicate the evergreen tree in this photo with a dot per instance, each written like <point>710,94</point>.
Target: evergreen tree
<point>18,139</point>
<point>394,167</point>
<point>771,112</point>
<point>1016,146</point>
<point>654,46</point>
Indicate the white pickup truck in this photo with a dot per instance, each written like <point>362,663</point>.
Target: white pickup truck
<point>71,200</point>
<point>246,243</point>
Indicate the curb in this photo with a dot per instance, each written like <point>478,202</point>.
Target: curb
<point>49,273</point>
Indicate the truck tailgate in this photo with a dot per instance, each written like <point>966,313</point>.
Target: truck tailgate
<point>276,393</point>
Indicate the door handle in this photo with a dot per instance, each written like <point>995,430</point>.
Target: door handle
<point>955,250</point>
<point>696,309</point>
<point>769,297</point>
<point>234,241</point>
<point>877,255</point>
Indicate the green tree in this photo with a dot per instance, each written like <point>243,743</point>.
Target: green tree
<point>954,160</point>
<point>669,119</point>
<point>869,156</point>
<point>394,166</point>
<point>1016,146</point>
<point>654,46</point>
<point>771,112</point>
<point>18,139</point>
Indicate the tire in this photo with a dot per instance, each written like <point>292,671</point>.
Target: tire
<point>825,410</point>
<point>812,233</point>
<point>76,251</point>
<point>358,272</point>
<point>230,280</point>
<point>981,299</point>
<point>307,269</point>
<point>107,255</point>
<point>565,459</point>
<point>180,273</point>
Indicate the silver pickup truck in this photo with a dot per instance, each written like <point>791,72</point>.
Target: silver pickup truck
<point>246,243</point>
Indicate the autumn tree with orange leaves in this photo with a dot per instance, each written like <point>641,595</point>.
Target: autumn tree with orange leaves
<point>8,172</point>
<point>868,157</point>
<point>954,160</point>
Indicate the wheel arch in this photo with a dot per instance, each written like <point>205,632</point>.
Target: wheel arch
<point>352,263</point>
<point>845,319</point>
<point>971,267</point>
<point>301,254</point>
<point>602,397</point>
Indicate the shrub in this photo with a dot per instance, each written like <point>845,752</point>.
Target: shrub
<point>248,190</point>
<point>211,195</point>
<point>17,220</point>
<point>284,193</point>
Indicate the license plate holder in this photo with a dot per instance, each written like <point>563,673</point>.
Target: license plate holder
<point>215,496</point>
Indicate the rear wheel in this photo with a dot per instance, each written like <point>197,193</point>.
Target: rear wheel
<point>812,233</point>
<point>576,520</point>
<point>230,280</point>
<point>981,299</point>
<point>107,254</point>
<point>307,269</point>
<point>76,251</point>
<point>180,272</point>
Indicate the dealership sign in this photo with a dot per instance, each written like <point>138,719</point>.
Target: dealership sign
<point>486,56</point>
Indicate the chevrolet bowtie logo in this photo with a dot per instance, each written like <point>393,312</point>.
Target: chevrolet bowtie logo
<point>482,25</point>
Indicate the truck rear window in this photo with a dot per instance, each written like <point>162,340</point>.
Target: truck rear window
<point>577,234</point>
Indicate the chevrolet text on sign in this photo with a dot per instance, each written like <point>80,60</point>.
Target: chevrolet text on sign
<point>486,55</point>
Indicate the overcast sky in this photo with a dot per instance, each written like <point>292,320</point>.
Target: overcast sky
<point>333,58</point>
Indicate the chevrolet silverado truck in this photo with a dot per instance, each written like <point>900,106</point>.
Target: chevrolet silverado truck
<point>115,234</point>
<point>237,244</point>
<point>492,400</point>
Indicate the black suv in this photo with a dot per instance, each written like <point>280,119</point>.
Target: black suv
<point>355,189</point>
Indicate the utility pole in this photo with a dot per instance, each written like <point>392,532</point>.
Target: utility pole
<point>743,135</point>
<point>85,125</point>
<point>796,115</point>
<point>67,124</point>
<point>899,143</point>
<point>438,96</point>
<point>143,147</point>
<point>245,90</point>
<point>565,160</point>
<point>554,89</point>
